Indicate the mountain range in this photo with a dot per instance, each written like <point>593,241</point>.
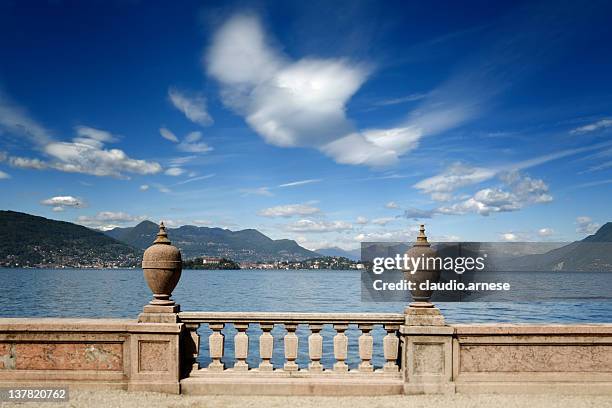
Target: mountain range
<point>592,254</point>
<point>28,240</point>
<point>244,245</point>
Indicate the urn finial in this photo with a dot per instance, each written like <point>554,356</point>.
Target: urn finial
<point>162,235</point>
<point>422,238</point>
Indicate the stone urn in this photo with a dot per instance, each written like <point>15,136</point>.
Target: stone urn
<point>162,266</point>
<point>426,271</point>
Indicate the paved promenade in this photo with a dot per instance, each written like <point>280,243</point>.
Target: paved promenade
<point>112,399</point>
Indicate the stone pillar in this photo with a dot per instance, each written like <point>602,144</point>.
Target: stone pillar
<point>162,266</point>
<point>426,340</point>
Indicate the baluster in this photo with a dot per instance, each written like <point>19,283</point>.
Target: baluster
<point>390,348</point>
<point>315,348</point>
<point>241,347</point>
<point>266,346</point>
<point>366,344</point>
<point>291,347</point>
<point>340,347</point>
<point>215,344</point>
<point>193,345</point>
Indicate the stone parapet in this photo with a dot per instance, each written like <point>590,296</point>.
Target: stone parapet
<point>90,353</point>
<point>125,354</point>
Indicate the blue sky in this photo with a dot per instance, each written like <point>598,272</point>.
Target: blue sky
<point>330,123</point>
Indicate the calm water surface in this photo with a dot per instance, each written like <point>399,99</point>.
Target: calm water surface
<point>122,293</point>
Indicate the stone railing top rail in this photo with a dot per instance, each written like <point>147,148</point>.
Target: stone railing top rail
<point>531,329</point>
<point>82,325</point>
<point>296,318</point>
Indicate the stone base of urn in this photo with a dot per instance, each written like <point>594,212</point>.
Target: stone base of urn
<point>423,314</point>
<point>428,350</point>
<point>159,314</point>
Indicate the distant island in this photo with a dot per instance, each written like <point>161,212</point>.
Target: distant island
<point>203,262</point>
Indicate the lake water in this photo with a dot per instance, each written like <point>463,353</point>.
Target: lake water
<point>122,293</point>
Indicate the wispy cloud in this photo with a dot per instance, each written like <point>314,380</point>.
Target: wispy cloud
<point>16,120</point>
<point>191,143</point>
<point>174,171</point>
<point>402,99</point>
<point>592,127</point>
<point>261,191</point>
<point>311,226</point>
<point>199,178</point>
<point>289,210</point>
<point>168,134</point>
<point>300,183</point>
<point>4,176</point>
<point>193,106</point>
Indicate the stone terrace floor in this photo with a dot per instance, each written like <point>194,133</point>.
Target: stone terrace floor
<point>111,399</point>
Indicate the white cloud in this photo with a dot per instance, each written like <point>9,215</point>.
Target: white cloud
<point>591,127</point>
<point>4,175</point>
<point>202,223</point>
<point>523,191</point>
<point>61,202</point>
<point>386,236</point>
<point>545,232</point>
<point>585,225</point>
<point>174,171</point>
<point>509,237</point>
<point>26,163</point>
<point>85,154</point>
<point>261,191</point>
<point>168,134</point>
<point>192,144</point>
<point>392,205</point>
<point>441,186</point>
<point>299,183</point>
<point>105,220</point>
<point>87,132</point>
<point>161,188</point>
<point>289,210</point>
<point>192,106</point>
<point>308,226</point>
<point>382,221</point>
<point>298,102</point>
<point>144,187</point>
<point>362,220</point>
<point>88,156</point>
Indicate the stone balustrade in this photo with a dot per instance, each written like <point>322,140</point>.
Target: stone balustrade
<point>313,322</point>
<point>421,353</point>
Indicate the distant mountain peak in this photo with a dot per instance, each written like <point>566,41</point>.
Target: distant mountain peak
<point>603,234</point>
